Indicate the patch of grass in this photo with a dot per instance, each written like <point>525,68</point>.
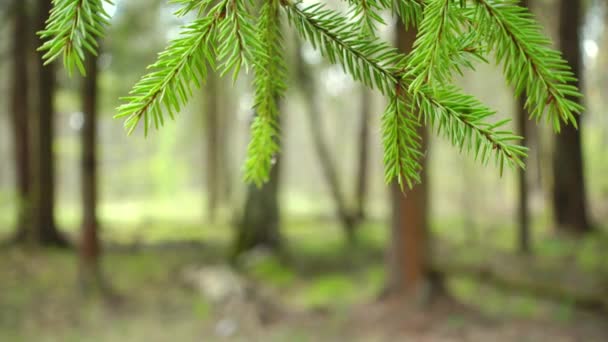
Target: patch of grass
<point>271,271</point>
<point>333,290</point>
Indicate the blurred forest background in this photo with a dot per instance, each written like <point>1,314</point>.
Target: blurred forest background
<point>158,238</point>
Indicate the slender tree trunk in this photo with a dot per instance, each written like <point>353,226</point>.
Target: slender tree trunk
<point>307,82</point>
<point>569,195</point>
<point>213,162</point>
<point>362,161</point>
<point>409,264</point>
<point>523,236</point>
<point>260,223</point>
<point>89,244</point>
<point>225,120</point>
<point>20,114</point>
<point>44,199</point>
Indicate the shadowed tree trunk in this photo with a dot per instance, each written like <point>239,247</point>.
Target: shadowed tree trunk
<point>89,244</point>
<point>225,119</point>
<point>328,167</point>
<point>260,223</point>
<point>362,161</point>
<point>409,265</point>
<point>569,196</point>
<point>212,134</point>
<point>20,117</point>
<point>523,236</point>
<point>523,233</point>
<point>46,232</point>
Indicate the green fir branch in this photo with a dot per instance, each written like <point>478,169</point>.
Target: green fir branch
<point>236,38</point>
<point>529,62</point>
<point>452,35</point>
<point>73,27</point>
<point>168,86</point>
<point>401,141</point>
<point>438,41</point>
<point>462,118</point>
<point>367,13</point>
<point>456,115</point>
<point>187,6</point>
<point>409,11</point>
<point>269,82</point>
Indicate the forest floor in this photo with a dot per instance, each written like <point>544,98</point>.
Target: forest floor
<point>323,291</point>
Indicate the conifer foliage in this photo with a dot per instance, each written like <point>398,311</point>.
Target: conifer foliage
<point>234,36</point>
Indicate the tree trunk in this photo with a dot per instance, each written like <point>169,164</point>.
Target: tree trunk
<point>260,223</point>
<point>20,114</point>
<point>44,171</point>
<point>328,167</point>
<point>225,120</point>
<point>409,264</point>
<point>523,233</point>
<point>89,243</point>
<point>213,163</point>
<point>362,162</point>
<point>569,197</point>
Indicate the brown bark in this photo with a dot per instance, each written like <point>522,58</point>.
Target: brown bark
<point>328,167</point>
<point>523,232</point>
<point>569,195</point>
<point>213,161</point>
<point>410,272</point>
<point>46,232</point>
<point>362,161</point>
<point>20,114</point>
<point>259,226</point>
<point>410,240</point>
<point>89,243</point>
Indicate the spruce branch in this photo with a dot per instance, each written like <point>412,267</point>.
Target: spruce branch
<point>236,37</point>
<point>169,84</point>
<point>401,141</point>
<point>269,83</point>
<point>451,36</point>
<point>367,14</point>
<point>462,118</point>
<point>529,62</point>
<point>187,6</point>
<point>459,117</point>
<point>370,61</point>
<point>409,11</point>
<point>438,41</point>
<point>73,27</point>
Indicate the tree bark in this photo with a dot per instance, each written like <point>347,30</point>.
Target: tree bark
<point>409,259</point>
<point>569,195</point>
<point>523,233</point>
<point>260,224</point>
<point>20,118</point>
<point>89,244</point>
<point>362,161</point>
<point>44,198</point>
<point>213,162</point>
